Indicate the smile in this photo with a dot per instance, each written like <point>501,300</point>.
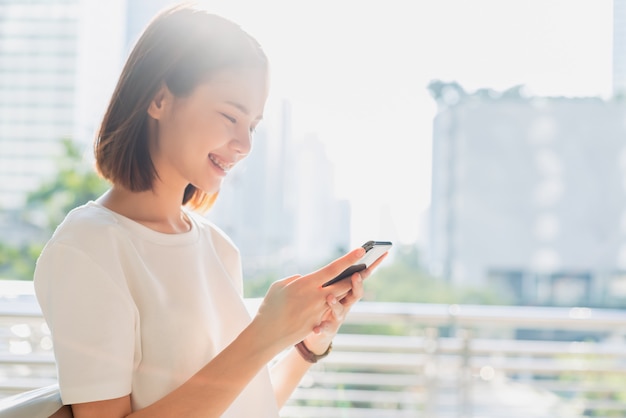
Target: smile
<point>221,164</point>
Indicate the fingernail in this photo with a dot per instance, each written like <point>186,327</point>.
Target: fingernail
<point>333,300</point>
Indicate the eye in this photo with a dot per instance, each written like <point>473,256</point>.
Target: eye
<point>230,118</point>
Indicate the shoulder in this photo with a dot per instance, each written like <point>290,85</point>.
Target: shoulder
<point>85,223</point>
<point>81,254</point>
<point>218,236</point>
<point>90,233</point>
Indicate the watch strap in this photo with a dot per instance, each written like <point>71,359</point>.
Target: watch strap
<point>310,356</point>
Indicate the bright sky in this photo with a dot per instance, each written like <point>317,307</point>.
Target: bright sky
<point>356,73</point>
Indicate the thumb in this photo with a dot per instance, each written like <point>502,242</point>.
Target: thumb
<point>339,265</point>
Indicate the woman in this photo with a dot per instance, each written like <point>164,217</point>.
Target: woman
<point>143,296</point>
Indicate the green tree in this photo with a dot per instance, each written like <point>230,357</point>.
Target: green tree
<point>18,262</point>
<point>401,278</point>
<point>405,279</point>
<point>74,184</point>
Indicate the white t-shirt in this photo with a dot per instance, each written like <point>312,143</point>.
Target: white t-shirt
<point>135,311</point>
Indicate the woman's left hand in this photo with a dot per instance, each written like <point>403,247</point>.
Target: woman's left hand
<point>338,307</point>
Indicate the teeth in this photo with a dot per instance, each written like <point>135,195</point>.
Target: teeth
<point>220,164</point>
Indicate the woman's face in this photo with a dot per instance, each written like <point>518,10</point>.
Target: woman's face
<point>198,138</point>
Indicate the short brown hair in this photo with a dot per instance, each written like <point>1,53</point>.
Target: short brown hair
<point>180,47</point>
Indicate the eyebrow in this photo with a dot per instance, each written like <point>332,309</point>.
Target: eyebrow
<point>242,108</point>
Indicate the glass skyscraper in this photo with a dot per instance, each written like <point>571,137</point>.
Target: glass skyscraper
<point>38,54</point>
<point>619,47</point>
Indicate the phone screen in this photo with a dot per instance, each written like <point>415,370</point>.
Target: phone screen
<point>373,250</point>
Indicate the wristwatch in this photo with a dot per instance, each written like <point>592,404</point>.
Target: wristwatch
<point>310,356</point>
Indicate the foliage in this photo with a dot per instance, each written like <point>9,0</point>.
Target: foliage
<point>599,387</point>
<point>18,262</point>
<point>401,278</point>
<point>74,184</point>
<point>405,279</point>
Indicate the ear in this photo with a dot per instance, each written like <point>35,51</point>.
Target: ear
<point>159,102</point>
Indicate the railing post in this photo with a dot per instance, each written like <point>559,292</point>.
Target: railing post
<point>431,371</point>
<point>465,404</point>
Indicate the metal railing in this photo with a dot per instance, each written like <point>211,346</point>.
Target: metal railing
<point>473,361</point>
<point>412,360</point>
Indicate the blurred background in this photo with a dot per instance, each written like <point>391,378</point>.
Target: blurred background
<point>486,139</point>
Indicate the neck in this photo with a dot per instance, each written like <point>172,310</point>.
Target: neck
<point>159,209</point>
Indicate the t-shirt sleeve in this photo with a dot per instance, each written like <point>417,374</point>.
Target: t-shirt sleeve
<point>92,319</point>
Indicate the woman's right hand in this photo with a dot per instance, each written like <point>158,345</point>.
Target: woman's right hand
<point>295,306</point>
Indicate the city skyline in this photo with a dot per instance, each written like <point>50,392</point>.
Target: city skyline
<point>356,74</point>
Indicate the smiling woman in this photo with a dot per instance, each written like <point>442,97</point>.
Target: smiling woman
<point>142,295</point>
<point>170,72</point>
<point>193,133</point>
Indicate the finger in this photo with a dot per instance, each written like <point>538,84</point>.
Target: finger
<point>336,308</point>
<point>355,294</point>
<point>348,290</point>
<point>343,295</point>
<point>341,288</point>
<point>323,319</point>
<point>357,287</point>
<point>328,316</point>
<point>333,269</point>
<point>318,328</point>
<point>331,301</point>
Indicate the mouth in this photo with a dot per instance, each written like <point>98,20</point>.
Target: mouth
<point>223,165</point>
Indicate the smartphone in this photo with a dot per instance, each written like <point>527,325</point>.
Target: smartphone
<point>373,250</point>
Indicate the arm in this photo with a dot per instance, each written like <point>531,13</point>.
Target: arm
<point>288,372</point>
<point>292,308</point>
<point>286,375</point>
<point>206,394</point>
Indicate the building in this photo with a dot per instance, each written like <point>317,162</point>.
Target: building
<point>619,47</point>
<point>38,56</point>
<point>322,227</point>
<point>528,195</point>
<point>59,62</point>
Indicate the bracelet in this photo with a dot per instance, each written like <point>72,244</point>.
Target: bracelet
<point>310,356</point>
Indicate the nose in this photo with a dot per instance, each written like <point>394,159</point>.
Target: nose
<point>242,143</point>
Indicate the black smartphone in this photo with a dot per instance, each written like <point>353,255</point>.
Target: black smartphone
<point>373,250</point>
